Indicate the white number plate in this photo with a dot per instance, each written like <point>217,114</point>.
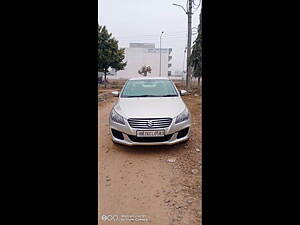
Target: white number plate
<point>150,133</point>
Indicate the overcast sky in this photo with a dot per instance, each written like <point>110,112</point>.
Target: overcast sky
<point>143,21</point>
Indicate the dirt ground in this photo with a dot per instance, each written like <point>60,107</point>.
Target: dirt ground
<point>157,185</point>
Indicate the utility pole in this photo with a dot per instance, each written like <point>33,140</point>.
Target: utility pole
<point>183,66</point>
<point>189,12</point>
<point>189,46</point>
<point>160,54</point>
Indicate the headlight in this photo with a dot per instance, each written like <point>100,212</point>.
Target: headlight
<point>182,116</point>
<point>117,117</point>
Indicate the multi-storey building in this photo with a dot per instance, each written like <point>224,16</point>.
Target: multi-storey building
<point>145,54</point>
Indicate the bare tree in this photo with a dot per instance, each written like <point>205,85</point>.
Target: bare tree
<point>144,70</point>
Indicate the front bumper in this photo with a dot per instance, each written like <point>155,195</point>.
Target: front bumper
<point>129,134</point>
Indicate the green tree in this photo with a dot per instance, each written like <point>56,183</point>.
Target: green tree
<point>196,56</point>
<point>109,54</point>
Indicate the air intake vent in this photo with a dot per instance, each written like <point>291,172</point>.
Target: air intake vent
<point>182,133</point>
<point>117,134</point>
<point>150,139</point>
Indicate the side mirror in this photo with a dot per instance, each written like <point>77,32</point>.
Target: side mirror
<point>115,93</point>
<point>183,92</point>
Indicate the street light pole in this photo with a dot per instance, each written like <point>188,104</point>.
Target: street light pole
<point>160,53</point>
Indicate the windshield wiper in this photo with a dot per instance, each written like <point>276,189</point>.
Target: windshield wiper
<point>142,96</point>
<point>167,96</point>
<point>137,96</point>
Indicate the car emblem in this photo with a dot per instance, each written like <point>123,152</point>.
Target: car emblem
<point>149,123</point>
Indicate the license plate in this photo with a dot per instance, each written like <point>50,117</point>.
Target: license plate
<point>150,133</point>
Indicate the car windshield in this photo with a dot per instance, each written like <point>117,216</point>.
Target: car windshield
<point>149,88</point>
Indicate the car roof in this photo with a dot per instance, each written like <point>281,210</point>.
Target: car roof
<point>149,78</point>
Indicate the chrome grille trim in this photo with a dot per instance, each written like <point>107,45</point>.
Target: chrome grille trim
<point>142,123</point>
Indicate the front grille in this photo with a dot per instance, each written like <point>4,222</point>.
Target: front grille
<point>150,123</point>
<point>150,139</point>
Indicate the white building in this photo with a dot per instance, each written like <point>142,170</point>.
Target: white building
<point>145,54</point>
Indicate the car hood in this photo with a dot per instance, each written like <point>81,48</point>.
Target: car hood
<point>150,107</point>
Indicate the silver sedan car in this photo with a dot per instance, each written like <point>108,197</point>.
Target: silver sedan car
<point>149,111</point>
